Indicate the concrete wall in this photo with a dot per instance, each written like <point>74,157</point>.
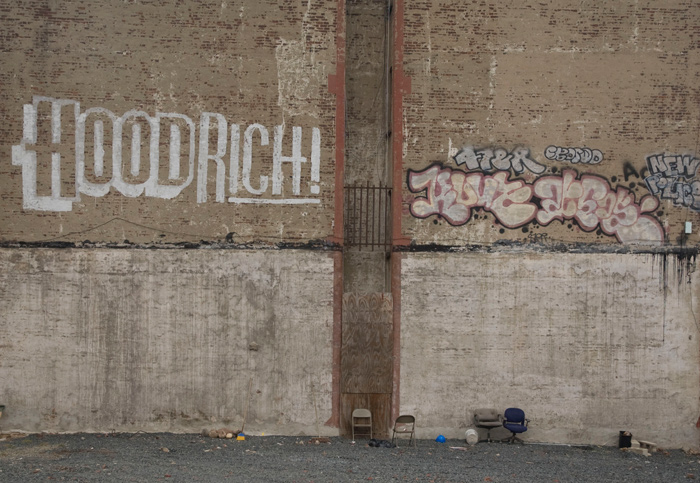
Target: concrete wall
<point>585,344</point>
<point>165,340</point>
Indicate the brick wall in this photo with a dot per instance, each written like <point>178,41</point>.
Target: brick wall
<point>236,69</point>
<point>616,78</point>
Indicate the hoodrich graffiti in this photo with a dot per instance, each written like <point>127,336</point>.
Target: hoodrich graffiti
<point>672,177</point>
<point>573,155</point>
<point>91,171</point>
<point>589,200</point>
<point>498,159</point>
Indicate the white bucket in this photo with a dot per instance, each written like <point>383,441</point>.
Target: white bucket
<point>472,437</point>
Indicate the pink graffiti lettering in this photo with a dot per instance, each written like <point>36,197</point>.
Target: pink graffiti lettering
<point>592,203</point>
<point>589,200</point>
<point>453,193</point>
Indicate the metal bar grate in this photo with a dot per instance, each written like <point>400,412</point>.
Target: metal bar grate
<point>367,216</point>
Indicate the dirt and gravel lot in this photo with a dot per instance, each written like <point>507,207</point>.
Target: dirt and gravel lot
<point>190,457</point>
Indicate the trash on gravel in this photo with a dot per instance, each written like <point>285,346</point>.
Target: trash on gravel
<point>440,439</point>
<point>223,433</point>
<point>471,436</point>
<point>625,440</point>
<point>380,443</point>
<point>644,448</point>
<point>319,440</point>
<point>13,435</point>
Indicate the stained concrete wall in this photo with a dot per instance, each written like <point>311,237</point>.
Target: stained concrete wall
<point>585,344</point>
<point>165,340</point>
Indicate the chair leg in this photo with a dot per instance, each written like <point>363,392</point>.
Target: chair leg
<point>488,436</point>
<point>512,439</point>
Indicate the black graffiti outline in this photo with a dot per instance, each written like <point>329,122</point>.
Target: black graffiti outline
<point>573,155</point>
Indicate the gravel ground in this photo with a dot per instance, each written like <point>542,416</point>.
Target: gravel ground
<point>189,457</point>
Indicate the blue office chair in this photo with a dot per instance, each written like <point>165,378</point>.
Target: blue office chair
<point>514,421</point>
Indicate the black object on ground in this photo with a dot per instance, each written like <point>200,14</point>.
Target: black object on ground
<point>380,443</point>
<point>625,439</point>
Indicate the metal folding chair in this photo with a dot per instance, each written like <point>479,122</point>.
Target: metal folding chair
<point>405,424</point>
<point>362,419</point>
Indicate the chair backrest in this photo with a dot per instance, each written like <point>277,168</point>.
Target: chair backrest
<point>361,413</point>
<point>514,415</point>
<point>405,419</point>
<point>486,414</point>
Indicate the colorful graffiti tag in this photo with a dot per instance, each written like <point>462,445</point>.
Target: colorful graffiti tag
<point>589,200</point>
<point>672,178</point>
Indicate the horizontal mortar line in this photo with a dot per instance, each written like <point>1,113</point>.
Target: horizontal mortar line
<point>288,201</point>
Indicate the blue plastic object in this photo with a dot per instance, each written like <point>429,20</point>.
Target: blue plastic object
<point>440,439</point>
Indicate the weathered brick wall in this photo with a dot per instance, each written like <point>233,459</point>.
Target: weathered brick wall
<point>237,69</point>
<point>498,89</point>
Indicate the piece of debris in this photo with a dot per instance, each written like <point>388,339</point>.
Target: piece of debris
<point>223,433</point>
<point>641,451</point>
<point>165,450</point>
<point>13,435</point>
<point>625,439</point>
<point>648,445</point>
<point>460,448</point>
<point>320,440</point>
<point>380,443</point>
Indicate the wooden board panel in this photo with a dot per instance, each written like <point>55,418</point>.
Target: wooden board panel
<point>366,360</point>
<point>367,344</point>
<point>378,404</point>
